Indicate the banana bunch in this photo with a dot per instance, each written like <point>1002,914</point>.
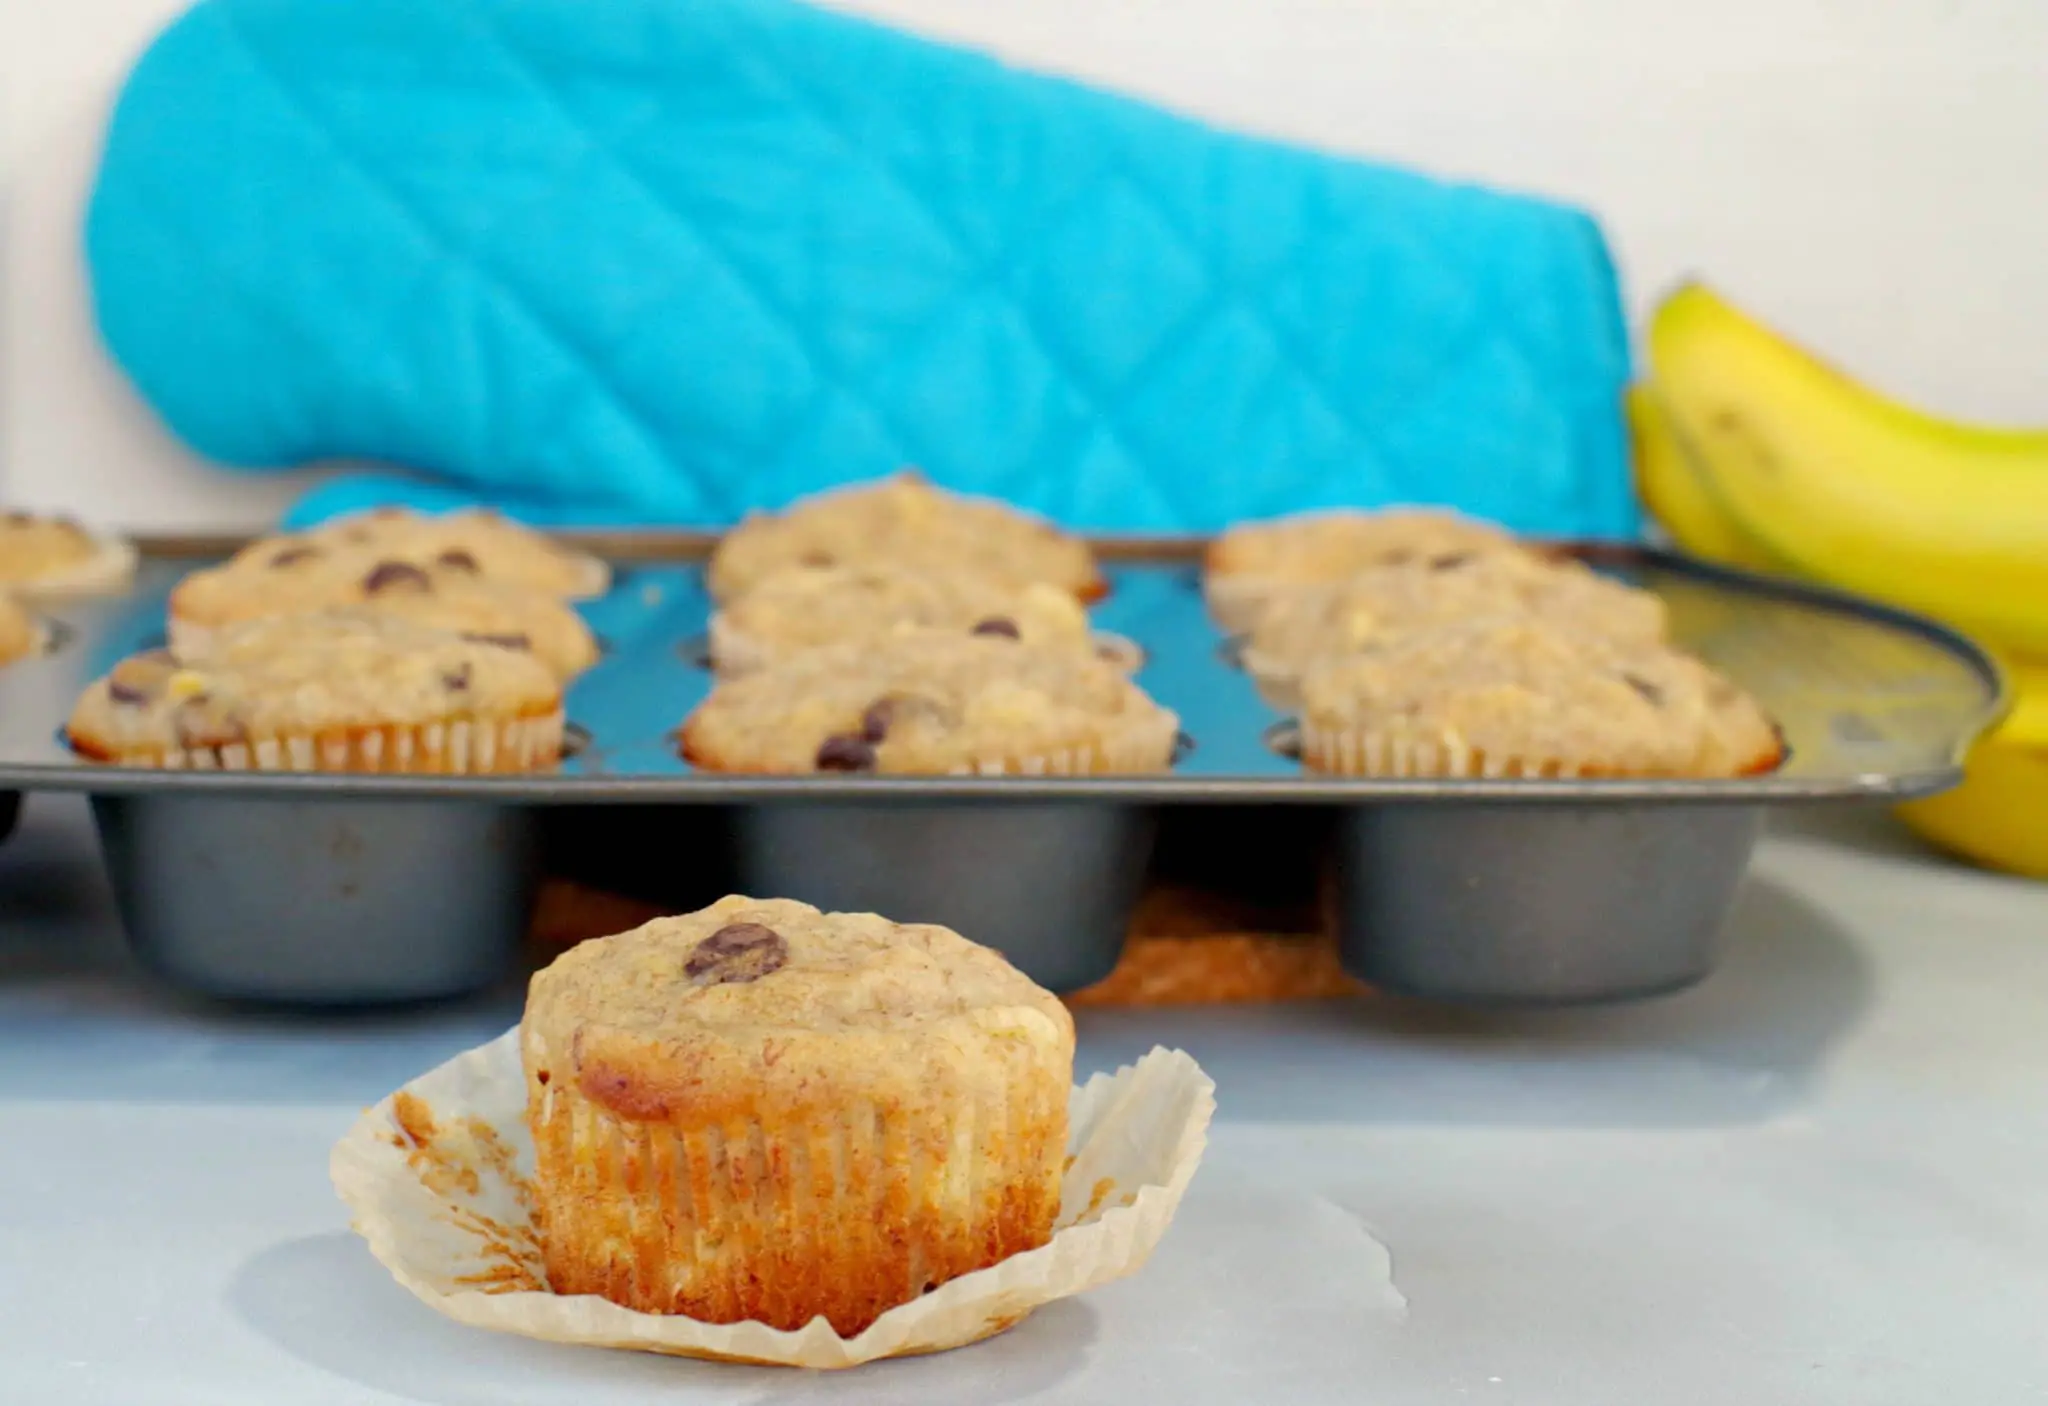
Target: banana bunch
<point>1751,452</point>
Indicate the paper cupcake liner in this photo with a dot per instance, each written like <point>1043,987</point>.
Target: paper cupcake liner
<point>106,572</point>
<point>462,747</point>
<point>1352,752</point>
<point>1140,748</point>
<point>865,1216</point>
<point>435,1180</point>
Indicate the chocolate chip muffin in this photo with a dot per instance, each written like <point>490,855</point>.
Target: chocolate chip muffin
<point>1317,622</point>
<point>20,633</point>
<point>1525,698</point>
<point>764,1112</point>
<point>475,541</point>
<point>932,703</point>
<point>335,691</point>
<point>297,577</point>
<point>810,606</point>
<point>906,521</point>
<point>1254,563</point>
<point>52,558</point>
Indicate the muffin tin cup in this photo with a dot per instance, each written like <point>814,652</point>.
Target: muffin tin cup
<point>1050,886</point>
<point>320,901</point>
<point>1490,889</point>
<point>1499,904</point>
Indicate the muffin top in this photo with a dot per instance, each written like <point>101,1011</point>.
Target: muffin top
<point>32,547</point>
<point>305,674</point>
<point>908,521</point>
<point>750,994</point>
<point>1447,588</point>
<point>298,578</point>
<point>1308,548</point>
<point>19,634</point>
<point>475,541</point>
<point>928,703</point>
<point>1546,697</point>
<point>807,607</point>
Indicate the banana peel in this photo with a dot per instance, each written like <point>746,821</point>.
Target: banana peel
<point>1842,485</point>
<point>1678,497</point>
<point>1998,817</point>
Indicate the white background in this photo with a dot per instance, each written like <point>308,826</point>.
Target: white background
<point>1871,177</point>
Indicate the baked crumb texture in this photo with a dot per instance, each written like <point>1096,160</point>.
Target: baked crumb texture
<point>904,520</point>
<point>764,1112</point>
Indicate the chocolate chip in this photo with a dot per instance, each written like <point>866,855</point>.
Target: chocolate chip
<point>816,558</point>
<point>1449,561</point>
<point>456,680</point>
<point>291,555</point>
<point>140,677</point>
<point>456,559</point>
<point>387,574</point>
<point>846,751</point>
<point>1651,694</point>
<point>999,625</point>
<point>874,723</point>
<point>15,517</point>
<point>737,952</point>
<point>505,641</point>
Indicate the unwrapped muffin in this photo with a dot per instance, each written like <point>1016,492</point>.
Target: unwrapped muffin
<point>907,521</point>
<point>934,702</point>
<point>296,577</point>
<point>1319,622</point>
<point>808,607</point>
<point>1526,698</point>
<point>336,691</point>
<point>1255,563</point>
<point>477,541</point>
<point>763,1112</point>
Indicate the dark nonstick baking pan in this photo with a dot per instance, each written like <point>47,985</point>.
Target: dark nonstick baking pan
<point>347,888</point>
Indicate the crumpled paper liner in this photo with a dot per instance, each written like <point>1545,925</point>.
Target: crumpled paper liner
<point>433,1176</point>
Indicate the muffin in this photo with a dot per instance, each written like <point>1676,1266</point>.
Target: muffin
<point>1524,697</point>
<point>932,703</point>
<point>1254,563</point>
<point>298,578</point>
<point>352,690</point>
<point>807,607</point>
<point>1307,625</point>
<point>907,521</point>
<point>49,558</point>
<point>763,1112</point>
<point>20,634</point>
<point>476,540</point>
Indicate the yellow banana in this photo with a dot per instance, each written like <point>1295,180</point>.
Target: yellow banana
<point>1999,815</point>
<point>1676,497</point>
<point>1847,487</point>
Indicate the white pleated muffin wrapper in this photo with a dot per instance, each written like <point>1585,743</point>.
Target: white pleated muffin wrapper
<point>106,572</point>
<point>452,1219</point>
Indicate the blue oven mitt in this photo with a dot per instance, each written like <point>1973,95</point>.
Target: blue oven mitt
<point>666,260</point>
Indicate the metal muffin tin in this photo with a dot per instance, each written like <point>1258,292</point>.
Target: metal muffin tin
<point>351,889</point>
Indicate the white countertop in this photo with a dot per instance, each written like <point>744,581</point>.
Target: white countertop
<point>1821,1177</point>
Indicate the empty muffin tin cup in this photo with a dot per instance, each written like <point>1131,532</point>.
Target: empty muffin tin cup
<point>320,902</point>
<point>1533,904</point>
<point>1050,885</point>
